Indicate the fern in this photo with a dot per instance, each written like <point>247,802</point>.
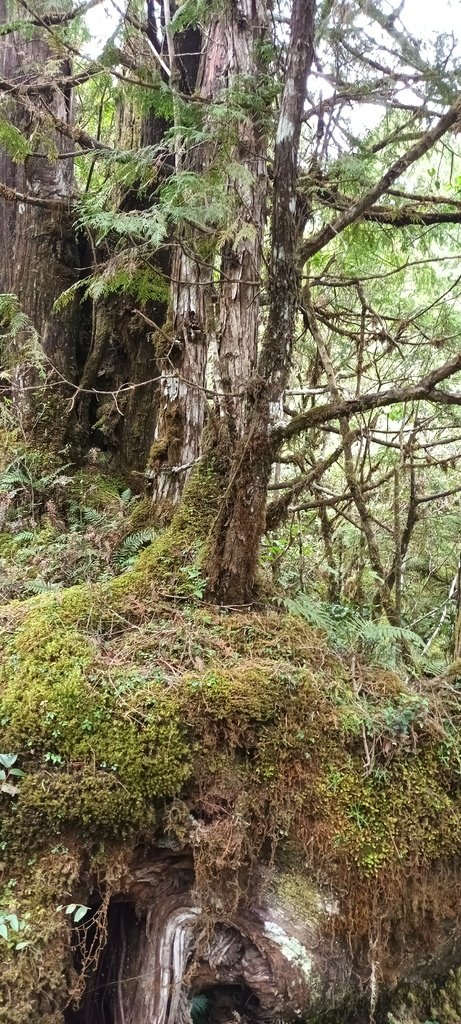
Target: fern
<point>13,141</point>
<point>92,517</point>
<point>25,536</point>
<point>132,544</point>
<point>40,586</point>
<point>348,630</point>
<point>20,337</point>
<point>198,1008</point>
<point>12,477</point>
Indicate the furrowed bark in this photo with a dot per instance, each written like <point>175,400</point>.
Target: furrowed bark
<point>182,346</point>
<point>240,522</point>
<point>230,60</point>
<point>236,61</point>
<point>38,251</point>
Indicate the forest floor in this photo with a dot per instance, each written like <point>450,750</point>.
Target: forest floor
<point>130,708</point>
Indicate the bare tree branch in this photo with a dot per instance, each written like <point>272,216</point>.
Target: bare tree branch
<point>423,389</point>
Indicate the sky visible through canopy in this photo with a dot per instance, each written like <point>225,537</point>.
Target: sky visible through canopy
<point>423,18</point>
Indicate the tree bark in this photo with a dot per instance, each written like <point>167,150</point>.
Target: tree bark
<point>266,960</point>
<point>240,522</point>
<point>38,251</point>
<point>236,60</point>
<point>164,947</point>
<point>230,59</point>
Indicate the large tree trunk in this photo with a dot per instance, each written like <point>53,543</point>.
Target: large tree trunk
<point>197,329</point>
<point>164,947</point>
<point>179,429</point>
<point>38,251</point>
<point>236,60</point>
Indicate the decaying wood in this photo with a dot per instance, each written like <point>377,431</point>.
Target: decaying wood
<point>266,961</point>
<point>263,956</point>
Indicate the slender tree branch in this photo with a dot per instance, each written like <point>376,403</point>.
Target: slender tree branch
<point>423,389</point>
<point>362,205</point>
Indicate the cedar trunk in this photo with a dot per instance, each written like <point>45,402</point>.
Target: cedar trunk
<point>38,254</point>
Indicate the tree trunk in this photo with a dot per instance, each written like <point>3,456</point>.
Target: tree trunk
<point>181,416</point>
<point>164,948</point>
<point>240,523</point>
<point>165,954</point>
<point>236,60</point>
<point>38,251</point>
<point>230,60</point>
<point>120,394</point>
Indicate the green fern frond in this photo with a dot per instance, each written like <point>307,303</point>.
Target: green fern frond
<point>13,477</point>
<point>133,544</point>
<point>19,339</point>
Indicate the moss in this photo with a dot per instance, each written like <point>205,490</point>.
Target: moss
<point>98,767</point>
<point>120,703</point>
<point>302,733</point>
<point>297,895</point>
<point>179,544</point>
<point>34,981</point>
<point>429,1003</point>
<point>142,515</point>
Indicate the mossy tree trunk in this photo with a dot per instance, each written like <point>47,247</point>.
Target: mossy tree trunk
<point>122,364</point>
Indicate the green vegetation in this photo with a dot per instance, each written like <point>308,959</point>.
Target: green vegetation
<point>230,587</point>
<point>316,754</point>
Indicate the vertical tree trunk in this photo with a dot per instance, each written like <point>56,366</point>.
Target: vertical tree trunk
<point>236,60</point>
<point>38,251</point>
<point>181,416</point>
<point>122,363</point>
<point>240,522</point>
<point>230,61</point>
<point>457,643</point>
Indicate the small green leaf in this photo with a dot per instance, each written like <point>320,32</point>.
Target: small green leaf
<point>71,907</point>
<point>79,913</point>
<point>14,923</point>
<point>3,930</point>
<point>22,944</point>
<point>8,760</point>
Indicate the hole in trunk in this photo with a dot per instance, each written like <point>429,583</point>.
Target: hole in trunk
<point>224,1004</point>
<point>100,1002</point>
<point>112,980</point>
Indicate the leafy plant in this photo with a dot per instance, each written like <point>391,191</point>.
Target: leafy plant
<point>75,910</point>
<point>199,1007</point>
<point>12,929</point>
<point>347,629</point>
<point>19,339</point>
<point>192,581</point>
<point>132,544</point>
<point>8,772</point>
